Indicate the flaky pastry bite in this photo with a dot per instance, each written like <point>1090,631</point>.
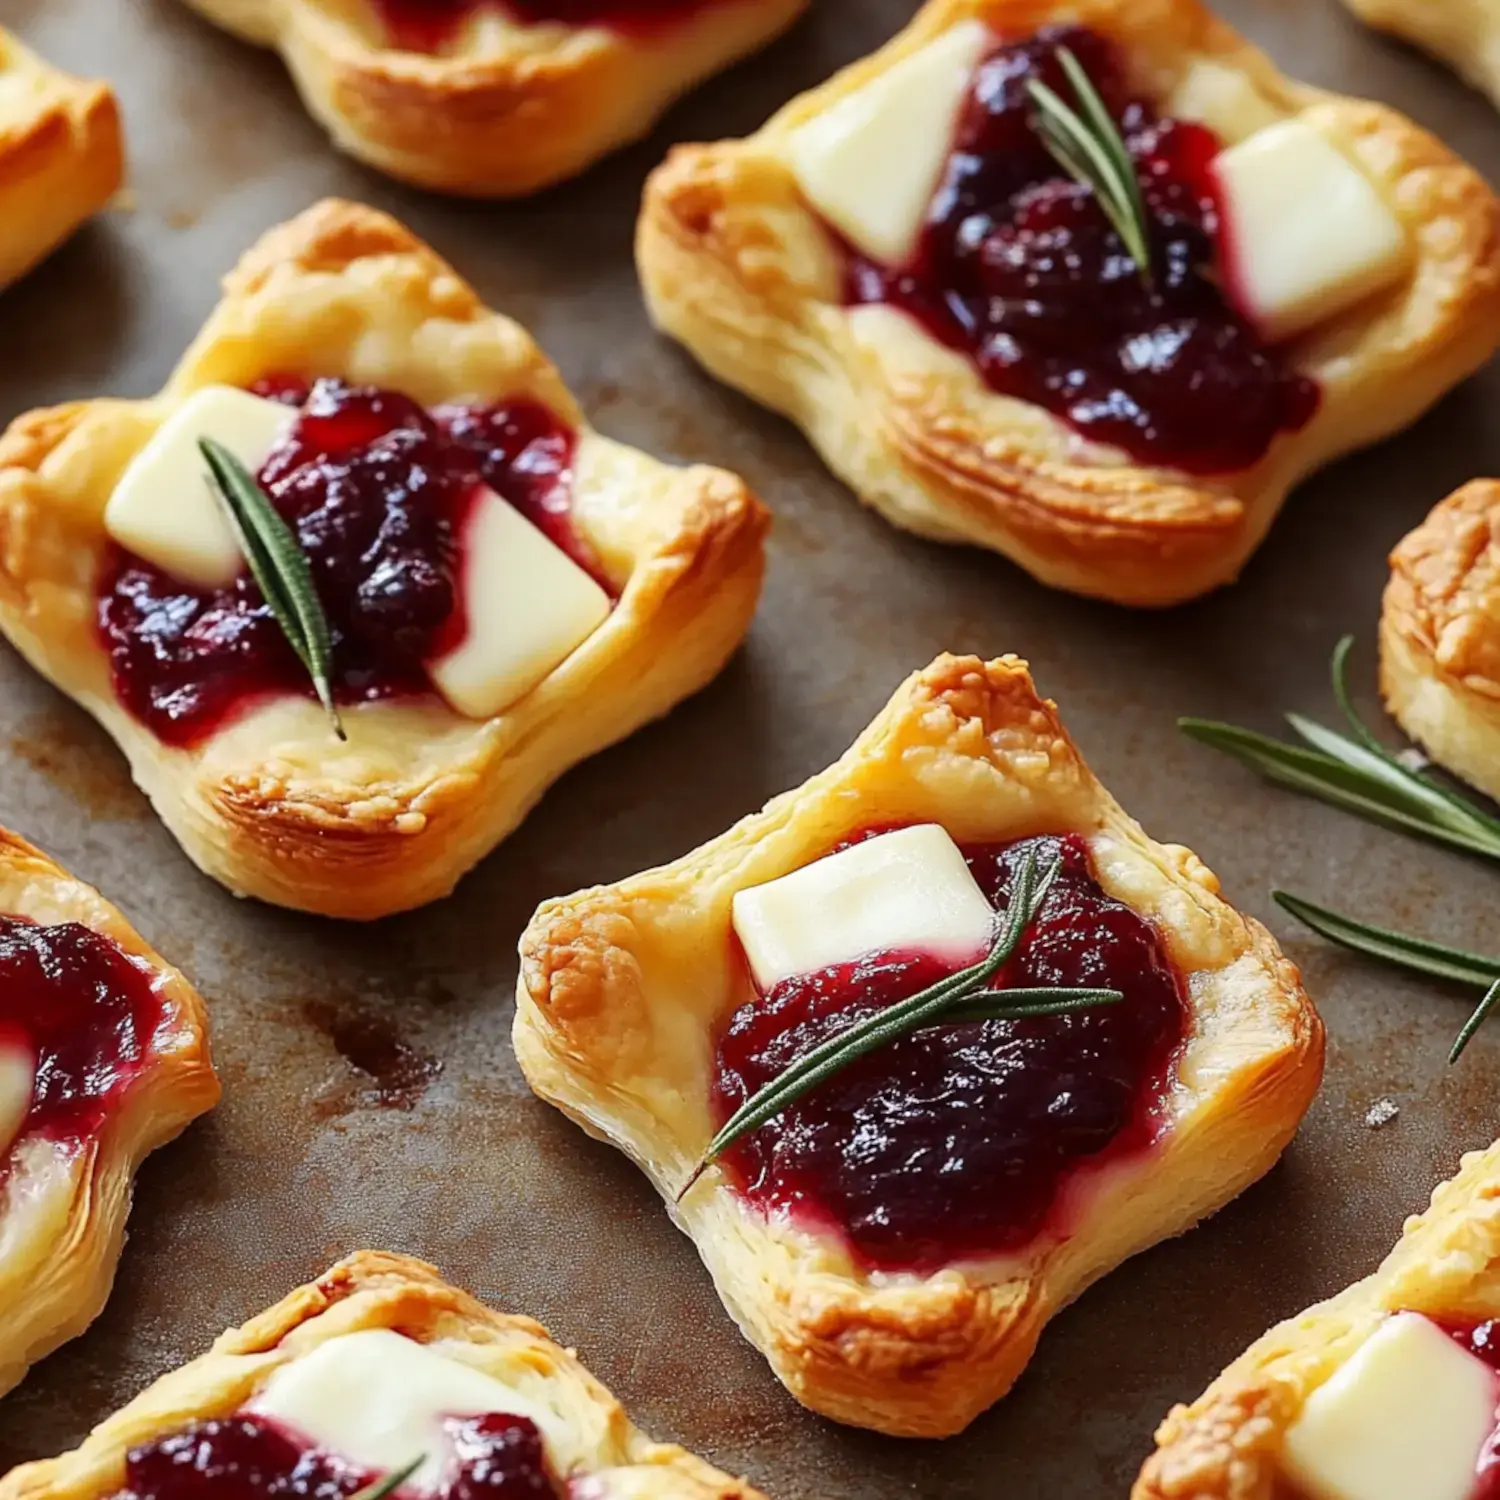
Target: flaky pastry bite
<point>1387,1391</point>
<point>1440,634</point>
<point>493,99</point>
<point>103,1058</point>
<point>377,1370</point>
<point>1463,33</point>
<point>61,157</point>
<point>900,262</point>
<point>895,1240</point>
<point>507,591</point>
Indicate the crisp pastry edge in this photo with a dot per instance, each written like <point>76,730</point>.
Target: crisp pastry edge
<point>1459,32</point>
<point>912,1356</point>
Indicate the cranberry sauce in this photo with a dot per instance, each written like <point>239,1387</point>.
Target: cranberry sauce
<point>84,1011</point>
<point>250,1458</point>
<point>1019,267</point>
<point>429,25</point>
<point>955,1142</point>
<point>1483,1341</point>
<point>376,488</point>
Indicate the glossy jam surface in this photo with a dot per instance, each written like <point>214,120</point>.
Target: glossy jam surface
<point>84,1011</point>
<point>377,489</point>
<point>955,1142</point>
<point>430,25</point>
<point>1019,268</point>
<point>249,1458</point>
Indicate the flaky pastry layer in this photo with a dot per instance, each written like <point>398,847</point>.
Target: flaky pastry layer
<point>737,267</point>
<point>61,156</point>
<point>1440,634</point>
<point>272,805</point>
<point>373,1289</point>
<point>1227,1444</point>
<point>508,108</point>
<point>1464,33</point>
<point>623,989</point>
<point>63,1205</point>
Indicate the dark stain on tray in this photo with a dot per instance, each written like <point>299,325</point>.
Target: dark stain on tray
<point>80,762</point>
<point>399,1072</point>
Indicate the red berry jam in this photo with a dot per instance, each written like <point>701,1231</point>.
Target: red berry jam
<point>1019,268</point>
<point>377,489</point>
<point>86,1013</point>
<point>1483,1341</point>
<point>955,1142</point>
<point>250,1458</point>
<point>430,25</point>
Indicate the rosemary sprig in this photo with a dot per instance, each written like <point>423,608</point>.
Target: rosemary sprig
<point>1419,955</point>
<point>1087,144</point>
<point>1356,772</point>
<point>278,566</point>
<point>378,1489</point>
<point>956,999</point>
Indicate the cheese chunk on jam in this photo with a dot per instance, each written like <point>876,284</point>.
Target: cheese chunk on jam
<point>871,163</point>
<point>17,1082</point>
<point>899,892</point>
<point>527,606</point>
<point>1406,1416</point>
<point>378,1398</point>
<point>1222,98</point>
<point>1309,233</point>
<point>165,509</point>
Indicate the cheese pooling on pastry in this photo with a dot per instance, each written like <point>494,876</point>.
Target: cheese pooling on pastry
<point>430,25</point>
<point>952,211</point>
<point>955,1142</point>
<point>440,542</point>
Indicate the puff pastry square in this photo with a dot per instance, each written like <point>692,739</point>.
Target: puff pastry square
<point>740,270</point>
<point>64,1202</point>
<point>623,988</point>
<point>1446,1265</point>
<point>61,156</point>
<point>505,109</point>
<point>595,1447</point>
<point>1463,33</point>
<point>272,805</point>
<point>1440,634</point>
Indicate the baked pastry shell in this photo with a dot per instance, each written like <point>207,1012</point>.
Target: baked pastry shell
<point>61,156</point>
<point>1463,33</point>
<point>623,989</point>
<point>272,805</point>
<point>1226,1445</point>
<point>500,116</point>
<point>374,1289</point>
<point>63,1206</point>
<point>737,268</point>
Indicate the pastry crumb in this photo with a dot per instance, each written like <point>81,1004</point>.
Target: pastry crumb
<point>1381,1113</point>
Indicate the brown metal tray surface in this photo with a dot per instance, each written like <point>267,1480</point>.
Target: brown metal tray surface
<point>371,1095</point>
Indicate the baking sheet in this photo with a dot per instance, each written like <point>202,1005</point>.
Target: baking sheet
<point>371,1096</point>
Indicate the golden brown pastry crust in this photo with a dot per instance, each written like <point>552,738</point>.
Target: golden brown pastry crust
<point>509,110</point>
<point>63,1207</point>
<point>374,1289</point>
<point>737,268</point>
<point>1464,33</point>
<point>61,156</point>
<point>1226,1445</point>
<point>622,988</point>
<point>272,805</point>
<point>1440,634</point>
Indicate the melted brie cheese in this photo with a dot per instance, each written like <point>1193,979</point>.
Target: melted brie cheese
<point>1222,98</point>
<point>899,892</point>
<point>17,1083</point>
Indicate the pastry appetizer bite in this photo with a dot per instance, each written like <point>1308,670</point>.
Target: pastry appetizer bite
<point>377,1378</point>
<point>61,158</point>
<point>1463,33</point>
<point>494,98</point>
<point>103,1058</point>
<point>1388,1391</point>
<point>1092,285</point>
<point>1440,635</point>
<point>363,486</point>
<point>923,1049</point>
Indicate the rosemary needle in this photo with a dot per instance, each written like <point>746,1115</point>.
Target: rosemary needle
<point>378,1489</point>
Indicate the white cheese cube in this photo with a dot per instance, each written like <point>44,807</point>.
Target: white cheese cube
<point>1222,98</point>
<point>165,508</point>
<point>378,1399</point>
<point>1310,234</point>
<point>17,1082</point>
<point>898,892</point>
<point>528,606</point>
<point>871,163</point>
<point>1405,1416</point>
